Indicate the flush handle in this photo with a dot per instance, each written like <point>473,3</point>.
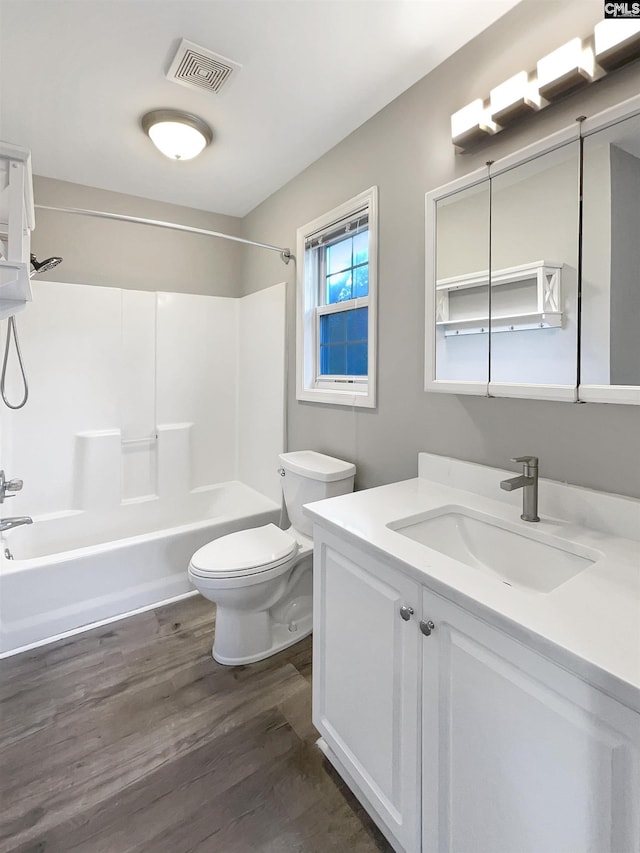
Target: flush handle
<point>406,612</point>
<point>427,626</point>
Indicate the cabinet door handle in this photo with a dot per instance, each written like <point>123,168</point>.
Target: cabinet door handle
<point>427,626</point>
<point>406,612</point>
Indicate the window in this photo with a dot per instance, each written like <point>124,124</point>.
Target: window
<point>337,277</point>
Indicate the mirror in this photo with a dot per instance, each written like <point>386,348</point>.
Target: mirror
<point>461,298</point>
<point>563,306</point>
<point>610,337</point>
<point>534,276</point>
<point>516,228</point>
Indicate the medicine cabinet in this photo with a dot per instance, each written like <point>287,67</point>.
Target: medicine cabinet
<point>610,338</point>
<point>514,308</point>
<point>459,293</point>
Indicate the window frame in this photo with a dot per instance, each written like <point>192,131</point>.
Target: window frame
<point>337,390</point>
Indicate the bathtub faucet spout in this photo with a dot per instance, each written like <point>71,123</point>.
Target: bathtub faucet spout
<point>17,521</point>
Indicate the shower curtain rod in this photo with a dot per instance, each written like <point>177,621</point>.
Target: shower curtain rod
<point>285,254</point>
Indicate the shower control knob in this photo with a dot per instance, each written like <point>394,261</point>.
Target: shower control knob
<point>406,612</point>
<point>8,486</point>
<point>427,626</point>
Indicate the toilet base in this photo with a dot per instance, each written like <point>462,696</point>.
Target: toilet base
<point>255,620</point>
<point>276,637</point>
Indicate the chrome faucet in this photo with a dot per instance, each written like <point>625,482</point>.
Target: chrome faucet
<point>8,486</point>
<point>17,521</point>
<point>528,482</point>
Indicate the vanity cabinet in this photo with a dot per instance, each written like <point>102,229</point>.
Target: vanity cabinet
<point>518,754</point>
<point>366,675</point>
<point>462,740</point>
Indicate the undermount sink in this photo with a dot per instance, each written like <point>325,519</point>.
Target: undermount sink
<point>530,561</point>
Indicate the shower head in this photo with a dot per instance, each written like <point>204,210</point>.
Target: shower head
<point>44,266</point>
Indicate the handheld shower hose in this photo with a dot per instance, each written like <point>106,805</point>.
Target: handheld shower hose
<point>12,329</point>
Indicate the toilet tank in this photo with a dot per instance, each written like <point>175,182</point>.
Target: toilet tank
<point>310,476</point>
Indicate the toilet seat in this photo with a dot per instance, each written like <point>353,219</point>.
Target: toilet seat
<point>247,552</point>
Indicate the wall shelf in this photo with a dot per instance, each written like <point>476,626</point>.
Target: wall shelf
<point>526,297</point>
<point>15,288</point>
<point>17,220</point>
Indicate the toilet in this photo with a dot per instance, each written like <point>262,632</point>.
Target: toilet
<point>261,578</point>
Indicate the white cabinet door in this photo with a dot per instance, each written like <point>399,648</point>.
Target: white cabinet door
<point>519,756</point>
<point>366,672</point>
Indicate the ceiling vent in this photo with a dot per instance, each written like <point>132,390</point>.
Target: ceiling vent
<point>199,68</point>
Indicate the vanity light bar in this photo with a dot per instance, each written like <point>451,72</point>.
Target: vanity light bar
<point>618,44</point>
<point>514,98</point>
<point>576,63</point>
<point>565,69</point>
<point>471,123</point>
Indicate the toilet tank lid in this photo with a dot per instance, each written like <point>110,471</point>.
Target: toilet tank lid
<point>317,466</point>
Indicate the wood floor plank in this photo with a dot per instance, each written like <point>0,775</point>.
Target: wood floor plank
<point>131,738</point>
<point>171,798</point>
<point>152,734</point>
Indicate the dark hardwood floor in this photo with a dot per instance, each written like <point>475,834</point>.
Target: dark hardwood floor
<point>132,738</point>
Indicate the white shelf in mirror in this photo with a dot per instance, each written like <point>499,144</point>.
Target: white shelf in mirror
<point>531,291</point>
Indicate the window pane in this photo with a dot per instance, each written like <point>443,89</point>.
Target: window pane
<point>332,328</point>
<point>357,324</point>
<point>361,281</point>
<point>333,359</point>
<point>343,343</point>
<point>361,248</point>
<point>357,359</point>
<point>339,287</point>
<point>339,256</point>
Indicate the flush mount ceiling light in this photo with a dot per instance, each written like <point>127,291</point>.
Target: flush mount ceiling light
<point>178,135</point>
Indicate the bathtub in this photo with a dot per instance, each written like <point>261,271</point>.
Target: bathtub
<point>75,569</point>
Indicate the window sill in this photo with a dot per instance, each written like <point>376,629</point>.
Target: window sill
<point>364,398</point>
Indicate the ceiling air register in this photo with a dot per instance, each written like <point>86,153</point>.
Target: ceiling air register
<point>199,68</point>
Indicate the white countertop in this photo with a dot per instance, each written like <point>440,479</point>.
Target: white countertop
<point>590,624</point>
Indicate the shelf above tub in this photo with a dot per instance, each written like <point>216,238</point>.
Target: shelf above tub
<point>17,220</point>
<point>15,288</point>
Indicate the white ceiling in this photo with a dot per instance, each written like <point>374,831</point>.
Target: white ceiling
<point>77,75</point>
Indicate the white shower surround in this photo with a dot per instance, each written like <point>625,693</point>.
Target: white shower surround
<point>153,425</point>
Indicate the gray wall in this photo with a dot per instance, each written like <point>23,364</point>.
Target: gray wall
<point>140,257</point>
<point>406,150</point>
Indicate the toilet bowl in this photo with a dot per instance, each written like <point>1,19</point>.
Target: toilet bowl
<point>261,578</point>
<point>261,582</point>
